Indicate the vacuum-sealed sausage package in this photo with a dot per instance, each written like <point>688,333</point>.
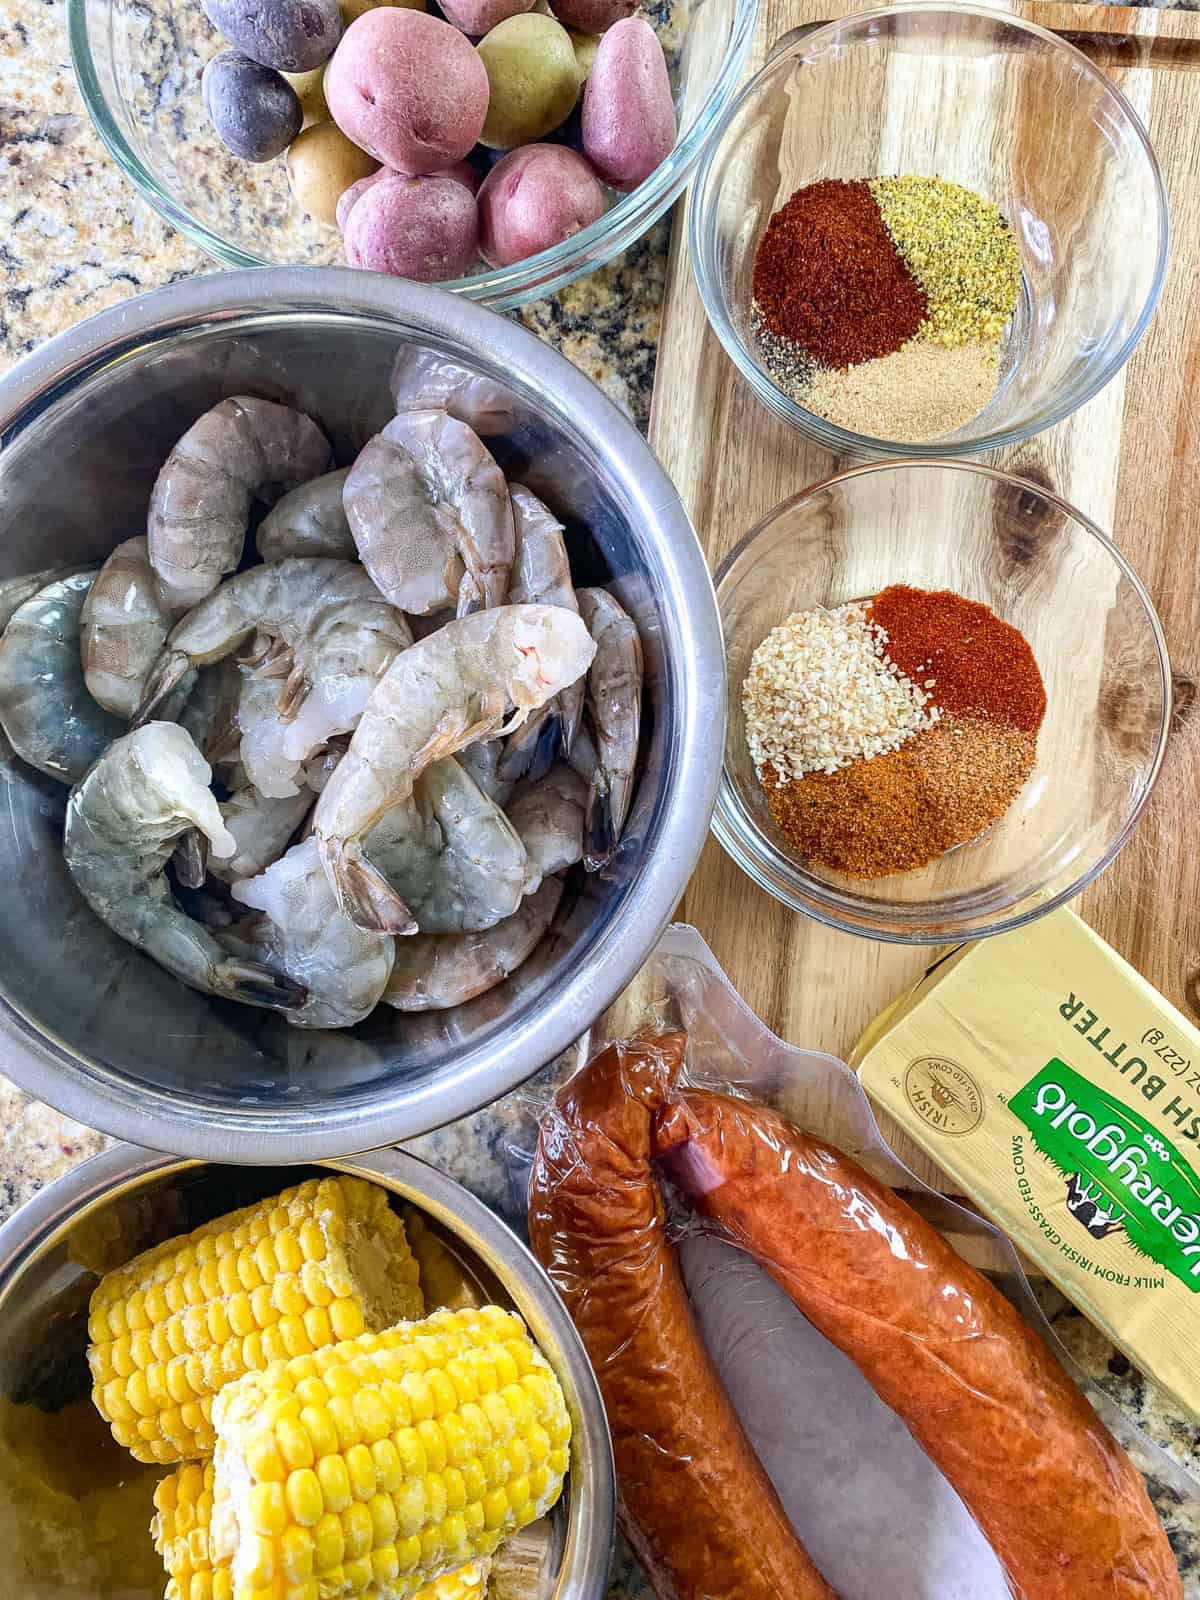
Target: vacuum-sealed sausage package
<point>822,1379</point>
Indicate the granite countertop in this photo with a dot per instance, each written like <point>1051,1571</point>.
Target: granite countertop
<point>76,238</point>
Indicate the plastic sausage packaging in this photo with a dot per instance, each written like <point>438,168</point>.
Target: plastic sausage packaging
<point>1064,1509</point>
<point>597,1223</point>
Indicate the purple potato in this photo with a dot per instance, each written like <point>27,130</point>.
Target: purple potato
<point>534,199</point>
<point>628,112</point>
<point>421,228</point>
<point>593,16</point>
<point>289,35</point>
<point>255,112</point>
<point>409,88</point>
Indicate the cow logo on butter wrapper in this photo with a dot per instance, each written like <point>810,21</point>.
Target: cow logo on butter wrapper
<point>944,1095</point>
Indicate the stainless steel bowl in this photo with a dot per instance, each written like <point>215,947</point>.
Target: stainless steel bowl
<point>45,1288</point>
<point>100,1031</point>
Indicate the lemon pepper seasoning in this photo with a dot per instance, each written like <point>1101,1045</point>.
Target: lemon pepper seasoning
<point>960,250</point>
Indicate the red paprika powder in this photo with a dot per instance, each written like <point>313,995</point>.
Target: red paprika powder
<point>828,277</point>
<point>980,666</point>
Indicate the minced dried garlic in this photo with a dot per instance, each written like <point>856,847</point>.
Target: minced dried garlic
<point>821,692</point>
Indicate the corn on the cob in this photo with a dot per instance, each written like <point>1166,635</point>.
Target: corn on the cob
<point>184,1503</point>
<point>371,1468</point>
<point>319,1263</point>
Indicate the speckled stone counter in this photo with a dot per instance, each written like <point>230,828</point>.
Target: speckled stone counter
<point>75,238</point>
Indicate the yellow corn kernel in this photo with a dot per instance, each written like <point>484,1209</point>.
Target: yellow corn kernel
<point>346,1319</point>
<point>410,1507</point>
<point>268,1511</point>
<point>294,1444</point>
<point>357,1530</point>
<point>358,1575</point>
<point>296,1554</point>
<point>268,1283</point>
<point>304,1497</point>
<point>389,1473</point>
<point>434,1442</point>
<point>318,1425</point>
<point>264,1459</point>
<point>334,1481</point>
<point>329,1544</point>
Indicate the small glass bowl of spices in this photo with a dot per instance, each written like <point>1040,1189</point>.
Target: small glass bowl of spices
<point>897,257</point>
<point>948,701</point>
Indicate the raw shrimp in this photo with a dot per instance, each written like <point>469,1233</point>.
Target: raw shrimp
<point>435,971</point>
<point>342,970</point>
<point>614,701</point>
<point>123,628</point>
<point>541,574</point>
<point>319,769</point>
<point>482,761</point>
<point>309,521</point>
<point>15,591</point>
<point>242,450</point>
<point>261,827</point>
<point>450,853</point>
<point>50,718</point>
<point>548,817</point>
<point>260,733</point>
<point>210,711</point>
<point>122,822</point>
<point>430,514</point>
<point>445,692</point>
<point>422,380</point>
<point>327,630</point>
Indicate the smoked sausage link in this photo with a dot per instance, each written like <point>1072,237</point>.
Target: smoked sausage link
<point>695,1502</point>
<point>1063,1506</point>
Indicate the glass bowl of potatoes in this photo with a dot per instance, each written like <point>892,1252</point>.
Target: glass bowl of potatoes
<point>141,71</point>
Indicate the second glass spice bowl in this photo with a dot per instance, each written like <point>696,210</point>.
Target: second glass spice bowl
<point>975,98</point>
<point>1040,566</point>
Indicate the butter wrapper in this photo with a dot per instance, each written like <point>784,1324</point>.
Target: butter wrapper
<point>1061,1092</point>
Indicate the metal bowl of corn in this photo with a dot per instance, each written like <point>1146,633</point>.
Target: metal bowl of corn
<point>144,1327</point>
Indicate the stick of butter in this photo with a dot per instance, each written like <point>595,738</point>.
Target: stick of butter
<point>1062,1093</point>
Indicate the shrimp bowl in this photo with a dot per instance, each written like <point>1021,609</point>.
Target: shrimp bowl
<point>361,690</point>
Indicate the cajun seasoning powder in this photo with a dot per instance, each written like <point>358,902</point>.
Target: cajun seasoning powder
<point>978,663</point>
<point>828,277</point>
<point>945,772</point>
<point>881,304</point>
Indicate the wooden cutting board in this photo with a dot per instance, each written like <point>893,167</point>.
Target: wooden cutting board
<point>1130,459</point>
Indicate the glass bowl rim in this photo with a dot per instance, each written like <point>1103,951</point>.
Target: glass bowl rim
<point>701,207</point>
<point>768,867</point>
<point>501,288</point>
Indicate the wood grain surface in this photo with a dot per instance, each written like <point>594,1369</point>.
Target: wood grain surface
<point>1130,459</point>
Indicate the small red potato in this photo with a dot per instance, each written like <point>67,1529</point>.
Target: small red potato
<point>461,172</point>
<point>628,112</point>
<point>421,228</point>
<point>408,88</point>
<point>535,198</point>
<point>478,17</point>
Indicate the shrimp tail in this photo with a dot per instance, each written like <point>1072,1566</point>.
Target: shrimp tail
<point>363,893</point>
<point>570,709</point>
<point>191,859</point>
<point>601,829</point>
<point>169,671</point>
<point>470,595</point>
<point>293,693</point>
<point>257,985</point>
<point>532,750</point>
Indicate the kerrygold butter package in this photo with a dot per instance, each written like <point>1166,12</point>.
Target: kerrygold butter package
<point>1062,1094</point>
